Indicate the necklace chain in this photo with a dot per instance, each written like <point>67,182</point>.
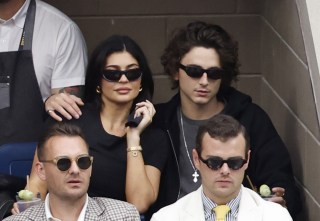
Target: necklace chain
<point>195,174</point>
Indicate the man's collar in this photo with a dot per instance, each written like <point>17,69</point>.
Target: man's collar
<point>47,208</point>
<point>208,204</point>
<point>50,217</point>
<point>20,17</point>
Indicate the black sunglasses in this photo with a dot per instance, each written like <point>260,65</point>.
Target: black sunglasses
<point>215,163</point>
<point>115,75</point>
<point>214,73</point>
<point>64,163</point>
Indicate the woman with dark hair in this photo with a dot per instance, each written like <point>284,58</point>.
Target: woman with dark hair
<point>128,160</point>
<point>117,44</point>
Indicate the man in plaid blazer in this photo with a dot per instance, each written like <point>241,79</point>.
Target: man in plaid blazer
<point>65,164</point>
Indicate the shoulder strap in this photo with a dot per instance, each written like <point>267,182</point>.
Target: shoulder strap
<point>27,33</point>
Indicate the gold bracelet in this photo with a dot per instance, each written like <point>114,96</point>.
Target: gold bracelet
<point>134,150</point>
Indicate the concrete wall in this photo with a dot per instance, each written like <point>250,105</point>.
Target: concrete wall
<point>313,7</point>
<point>287,86</point>
<point>274,67</point>
<point>150,22</point>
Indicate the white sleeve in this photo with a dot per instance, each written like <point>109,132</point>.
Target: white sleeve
<point>154,217</point>
<point>71,58</point>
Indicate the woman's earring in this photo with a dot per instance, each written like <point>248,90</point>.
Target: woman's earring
<point>98,90</point>
<point>140,89</point>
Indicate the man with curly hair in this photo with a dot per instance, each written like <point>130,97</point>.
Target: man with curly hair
<point>202,60</point>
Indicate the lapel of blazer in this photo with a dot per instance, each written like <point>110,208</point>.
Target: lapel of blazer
<point>37,213</point>
<point>192,208</point>
<point>93,211</point>
<point>249,209</point>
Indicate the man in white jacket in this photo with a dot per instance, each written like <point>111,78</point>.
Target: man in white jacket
<point>222,155</point>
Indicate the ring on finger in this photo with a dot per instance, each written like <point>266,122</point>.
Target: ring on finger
<point>49,111</point>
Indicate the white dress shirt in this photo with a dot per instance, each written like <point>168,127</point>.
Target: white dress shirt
<point>51,218</point>
<point>208,205</point>
<point>58,48</point>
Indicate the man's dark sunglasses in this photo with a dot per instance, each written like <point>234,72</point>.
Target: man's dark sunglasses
<point>214,73</point>
<point>115,75</point>
<point>64,163</point>
<point>215,163</point>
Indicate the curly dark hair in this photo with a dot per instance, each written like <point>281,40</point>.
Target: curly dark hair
<point>201,34</point>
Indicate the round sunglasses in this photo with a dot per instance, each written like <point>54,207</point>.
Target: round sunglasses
<point>64,163</point>
<point>215,163</point>
<point>214,73</point>
<point>115,75</point>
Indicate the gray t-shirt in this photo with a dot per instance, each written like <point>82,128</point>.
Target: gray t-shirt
<point>186,166</point>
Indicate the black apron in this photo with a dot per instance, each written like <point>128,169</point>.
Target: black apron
<point>21,105</point>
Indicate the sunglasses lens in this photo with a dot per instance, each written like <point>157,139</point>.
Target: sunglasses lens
<point>235,164</point>
<point>214,73</point>
<point>133,74</point>
<point>64,164</point>
<point>84,162</point>
<point>111,75</point>
<point>194,72</point>
<point>215,163</point>
<point>115,75</point>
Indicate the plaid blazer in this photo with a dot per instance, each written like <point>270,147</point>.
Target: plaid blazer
<point>98,209</point>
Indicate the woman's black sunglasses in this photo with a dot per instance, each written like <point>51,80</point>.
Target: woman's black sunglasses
<point>215,163</point>
<point>64,163</point>
<point>115,75</point>
<point>214,73</point>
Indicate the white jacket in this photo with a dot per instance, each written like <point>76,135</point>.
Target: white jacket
<point>252,208</point>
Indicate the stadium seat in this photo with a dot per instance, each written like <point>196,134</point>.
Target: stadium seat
<point>16,161</point>
<point>16,158</point>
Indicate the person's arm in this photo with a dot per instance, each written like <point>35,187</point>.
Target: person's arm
<point>68,74</point>
<point>278,196</point>
<point>65,101</point>
<point>36,185</point>
<point>271,163</point>
<point>142,181</point>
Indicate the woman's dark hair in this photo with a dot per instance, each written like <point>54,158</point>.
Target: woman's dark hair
<point>201,34</point>
<point>113,44</point>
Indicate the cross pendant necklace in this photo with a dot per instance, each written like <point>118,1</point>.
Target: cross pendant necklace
<point>195,174</point>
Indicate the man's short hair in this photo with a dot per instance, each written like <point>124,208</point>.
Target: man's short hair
<point>222,127</point>
<point>201,34</point>
<point>63,129</point>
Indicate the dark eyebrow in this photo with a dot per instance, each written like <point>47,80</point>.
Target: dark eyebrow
<point>117,67</point>
<point>197,66</point>
<point>193,65</point>
<point>231,158</point>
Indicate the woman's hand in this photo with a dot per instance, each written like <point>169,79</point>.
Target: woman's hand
<point>147,111</point>
<point>143,180</point>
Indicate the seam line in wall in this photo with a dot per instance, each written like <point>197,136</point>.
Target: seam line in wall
<point>283,40</point>
<point>291,111</point>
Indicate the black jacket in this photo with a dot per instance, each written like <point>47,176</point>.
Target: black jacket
<point>269,162</point>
